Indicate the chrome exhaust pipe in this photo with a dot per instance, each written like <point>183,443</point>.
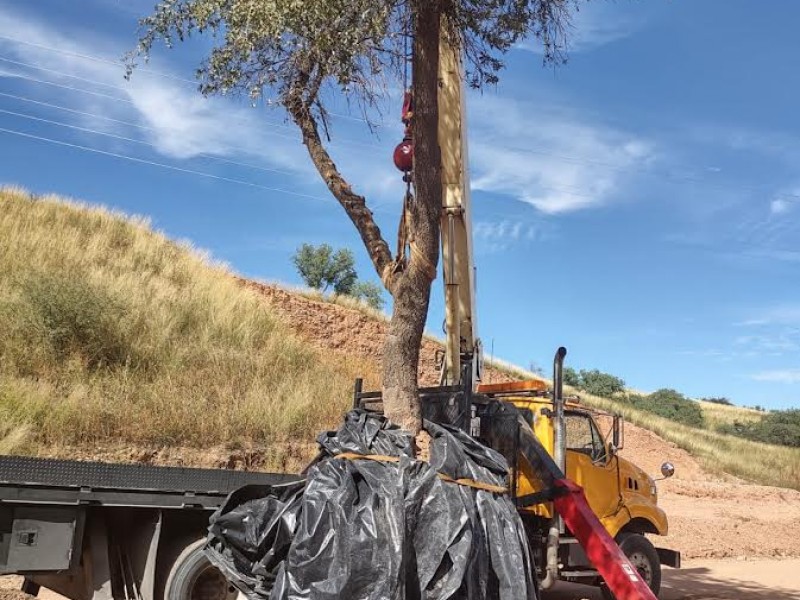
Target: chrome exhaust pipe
<point>560,458</point>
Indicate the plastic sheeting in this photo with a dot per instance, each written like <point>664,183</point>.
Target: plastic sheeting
<point>378,530</point>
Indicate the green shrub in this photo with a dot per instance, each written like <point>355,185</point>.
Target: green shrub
<point>74,318</point>
<point>670,404</point>
<point>571,377</point>
<point>721,400</point>
<point>781,427</point>
<point>597,383</point>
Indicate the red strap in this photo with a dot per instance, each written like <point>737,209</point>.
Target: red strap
<point>619,574</point>
<point>408,108</point>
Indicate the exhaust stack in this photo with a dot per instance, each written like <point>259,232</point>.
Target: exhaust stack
<point>560,458</point>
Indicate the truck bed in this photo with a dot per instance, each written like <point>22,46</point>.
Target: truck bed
<point>27,480</point>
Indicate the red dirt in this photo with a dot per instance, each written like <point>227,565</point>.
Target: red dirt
<point>336,328</point>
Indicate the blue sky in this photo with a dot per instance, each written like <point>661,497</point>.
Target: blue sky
<point>638,205</point>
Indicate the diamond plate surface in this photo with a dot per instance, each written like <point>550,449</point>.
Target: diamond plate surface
<point>21,470</point>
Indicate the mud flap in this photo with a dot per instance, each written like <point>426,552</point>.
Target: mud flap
<point>670,558</point>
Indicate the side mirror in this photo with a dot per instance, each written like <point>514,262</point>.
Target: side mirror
<point>667,470</point>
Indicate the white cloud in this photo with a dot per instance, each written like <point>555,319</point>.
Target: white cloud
<point>498,236</point>
<point>786,314</point>
<point>778,376</point>
<point>775,344</point>
<point>550,159</point>
<point>779,206</point>
<point>597,24</point>
<point>175,118</point>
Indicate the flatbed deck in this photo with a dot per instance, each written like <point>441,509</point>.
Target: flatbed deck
<point>28,480</point>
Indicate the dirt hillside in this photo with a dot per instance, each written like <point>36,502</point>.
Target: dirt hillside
<point>710,516</point>
<point>336,328</point>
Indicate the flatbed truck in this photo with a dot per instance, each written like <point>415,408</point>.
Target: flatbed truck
<point>99,531</point>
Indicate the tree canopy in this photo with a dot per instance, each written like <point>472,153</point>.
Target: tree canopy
<point>322,269</point>
<point>303,54</point>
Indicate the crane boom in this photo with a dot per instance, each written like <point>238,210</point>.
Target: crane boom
<point>462,342</point>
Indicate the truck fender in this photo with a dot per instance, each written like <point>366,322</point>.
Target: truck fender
<point>639,519</point>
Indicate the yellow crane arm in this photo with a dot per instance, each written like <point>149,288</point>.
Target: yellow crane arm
<point>462,342</point>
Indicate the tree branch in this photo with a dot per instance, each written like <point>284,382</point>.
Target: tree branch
<point>301,96</point>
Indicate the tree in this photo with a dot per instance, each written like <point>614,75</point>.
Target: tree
<point>368,292</point>
<point>601,384</point>
<point>721,400</point>
<point>322,268</point>
<point>672,405</point>
<point>302,53</point>
<point>571,377</point>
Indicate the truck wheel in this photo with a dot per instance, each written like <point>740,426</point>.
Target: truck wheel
<point>643,557</point>
<point>193,577</point>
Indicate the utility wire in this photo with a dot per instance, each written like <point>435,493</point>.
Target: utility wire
<point>157,164</point>
<point>536,151</point>
<point>134,140</point>
<point>268,123</point>
<point>58,73</point>
<point>119,63</point>
<point>69,87</point>
<point>108,61</point>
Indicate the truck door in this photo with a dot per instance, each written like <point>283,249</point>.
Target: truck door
<point>590,465</point>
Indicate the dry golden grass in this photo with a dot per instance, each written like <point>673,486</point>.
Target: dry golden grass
<point>111,332</point>
<point>718,452</point>
<point>755,462</point>
<point>717,415</point>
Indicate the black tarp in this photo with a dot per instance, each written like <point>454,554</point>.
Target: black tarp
<point>378,530</point>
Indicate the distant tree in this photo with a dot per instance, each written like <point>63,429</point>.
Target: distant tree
<point>780,427</point>
<point>671,405</point>
<point>534,367</point>
<point>600,384</point>
<point>720,400</point>
<point>370,293</point>
<point>571,377</point>
<point>322,268</point>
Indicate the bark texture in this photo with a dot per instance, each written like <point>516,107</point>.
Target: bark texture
<point>300,100</point>
<point>413,289</point>
<point>409,281</point>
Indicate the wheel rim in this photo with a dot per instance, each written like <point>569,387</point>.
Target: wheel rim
<point>643,566</point>
<point>210,584</point>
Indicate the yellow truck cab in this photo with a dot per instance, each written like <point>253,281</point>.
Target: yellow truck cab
<point>622,495</point>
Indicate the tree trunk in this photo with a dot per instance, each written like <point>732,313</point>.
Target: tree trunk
<point>412,289</point>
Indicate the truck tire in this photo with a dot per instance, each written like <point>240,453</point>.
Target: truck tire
<point>193,577</point>
<point>643,557</point>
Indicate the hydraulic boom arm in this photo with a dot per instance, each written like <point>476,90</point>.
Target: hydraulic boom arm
<point>462,342</point>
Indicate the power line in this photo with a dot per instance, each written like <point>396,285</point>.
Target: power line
<point>265,122</point>
<point>157,164</point>
<point>71,88</point>
<point>59,73</point>
<point>133,140</point>
<point>119,63</point>
<point>537,151</point>
<point>116,63</point>
<point>127,123</point>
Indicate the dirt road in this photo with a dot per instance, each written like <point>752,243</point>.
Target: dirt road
<point>715,580</point>
<point>698,580</point>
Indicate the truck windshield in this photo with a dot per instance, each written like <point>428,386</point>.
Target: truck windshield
<point>583,436</point>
